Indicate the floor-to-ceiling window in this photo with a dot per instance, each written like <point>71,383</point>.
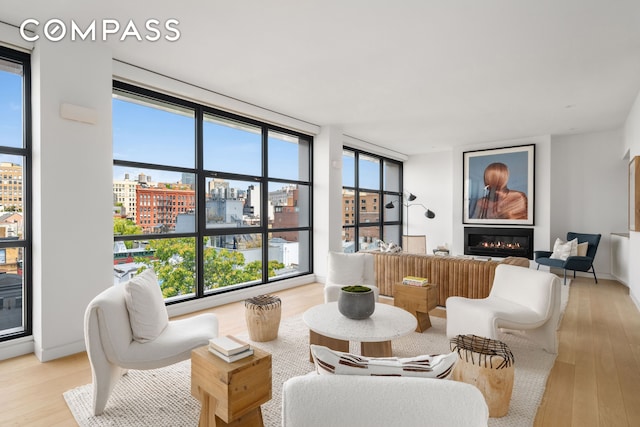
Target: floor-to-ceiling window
<point>369,183</point>
<point>15,215</point>
<point>212,201</point>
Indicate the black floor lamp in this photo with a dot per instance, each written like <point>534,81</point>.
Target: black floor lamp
<point>412,243</point>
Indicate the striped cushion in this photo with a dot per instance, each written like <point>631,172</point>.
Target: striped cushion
<point>329,361</point>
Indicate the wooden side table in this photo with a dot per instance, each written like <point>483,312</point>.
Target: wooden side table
<point>230,393</point>
<point>417,300</point>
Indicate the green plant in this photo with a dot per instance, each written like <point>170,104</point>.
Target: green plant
<point>356,289</point>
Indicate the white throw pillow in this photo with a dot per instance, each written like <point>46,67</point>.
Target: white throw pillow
<point>563,250</point>
<point>147,312</point>
<point>582,248</point>
<point>329,361</point>
<point>346,269</point>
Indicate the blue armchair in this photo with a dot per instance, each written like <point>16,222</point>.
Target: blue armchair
<point>575,263</point>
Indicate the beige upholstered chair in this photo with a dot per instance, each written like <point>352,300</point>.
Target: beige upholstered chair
<point>520,299</point>
<point>349,269</point>
<point>127,327</point>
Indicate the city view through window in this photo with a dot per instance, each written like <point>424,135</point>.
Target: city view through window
<point>209,200</point>
<point>369,183</point>
<point>14,155</point>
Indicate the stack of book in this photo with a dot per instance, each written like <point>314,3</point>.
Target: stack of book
<point>229,348</point>
<point>415,281</point>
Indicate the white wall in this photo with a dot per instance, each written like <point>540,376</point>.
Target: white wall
<point>327,197</point>
<point>589,190</point>
<point>581,185</point>
<point>72,248</point>
<point>436,178</point>
<point>429,177</point>
<point>632,143</point>
<point>542,189</point>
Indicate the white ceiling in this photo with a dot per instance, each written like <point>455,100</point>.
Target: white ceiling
<point>413,76</point>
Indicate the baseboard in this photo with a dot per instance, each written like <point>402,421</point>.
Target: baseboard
<point>588,275</point>
<point>635,300</point>
<point>238,295</point>
<point>45,355</point>
<point>16,347</point>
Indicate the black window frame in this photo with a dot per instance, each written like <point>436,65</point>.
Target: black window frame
<point>201,176</point>
<point>26,243</point>
<point>383,195</point>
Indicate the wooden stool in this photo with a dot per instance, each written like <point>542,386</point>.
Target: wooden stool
<point>488,365</point>
<point>262,314</point>
<point>231,393</point>
<point>417,300</point>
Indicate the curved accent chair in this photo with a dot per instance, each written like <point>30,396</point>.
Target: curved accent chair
<point>520,299</point>
<point>345,269</point>
<point>120,324</point>
<point>575,263</point>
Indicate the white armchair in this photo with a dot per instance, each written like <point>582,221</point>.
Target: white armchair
<point>115,345</point>
<point>345,269</point>
<point>520,299</point>
<point>358,401</point>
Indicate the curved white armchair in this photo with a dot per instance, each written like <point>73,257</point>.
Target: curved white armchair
<point>112,349</point>
<point>520,299</point>
<point>349,269</point>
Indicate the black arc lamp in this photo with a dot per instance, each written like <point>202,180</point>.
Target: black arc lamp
<point>427,212</point>
<point>410,198</point>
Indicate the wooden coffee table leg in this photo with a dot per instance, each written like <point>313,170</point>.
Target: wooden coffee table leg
<point>332,343</point>
<point>376,349</point>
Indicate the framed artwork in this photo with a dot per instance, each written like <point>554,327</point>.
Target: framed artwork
<point>634,194</point>
<point>499,186</point>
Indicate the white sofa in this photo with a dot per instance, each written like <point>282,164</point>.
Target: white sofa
<point>521,299</point>
<point>353,401</point>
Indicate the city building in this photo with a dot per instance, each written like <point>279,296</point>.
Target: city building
<point>11,187</point>
<point>157,208</point>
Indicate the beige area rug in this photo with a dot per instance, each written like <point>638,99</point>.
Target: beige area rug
<point>162,397</point>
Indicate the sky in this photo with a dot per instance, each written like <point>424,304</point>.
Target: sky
<point>153,135</point>
<point>368,170</point>
<point>10,109</point>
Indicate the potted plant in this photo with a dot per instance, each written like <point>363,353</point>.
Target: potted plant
<point>356,302</point>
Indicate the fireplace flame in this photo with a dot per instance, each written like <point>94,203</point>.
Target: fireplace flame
<point>501,245</point>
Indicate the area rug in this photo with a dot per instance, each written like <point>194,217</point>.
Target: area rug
<point>162,397</point>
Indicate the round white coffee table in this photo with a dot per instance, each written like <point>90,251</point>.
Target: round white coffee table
<point>329,328</point>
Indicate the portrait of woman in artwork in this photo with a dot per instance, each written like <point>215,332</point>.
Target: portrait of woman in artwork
<point>498,201</point>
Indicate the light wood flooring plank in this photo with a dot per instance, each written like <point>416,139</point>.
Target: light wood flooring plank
<point>626,362</point>
<point>585,400</point>
<point>610,405</point>
<point>559,388</point>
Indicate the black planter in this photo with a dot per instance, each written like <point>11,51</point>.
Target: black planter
<point>356,305</point>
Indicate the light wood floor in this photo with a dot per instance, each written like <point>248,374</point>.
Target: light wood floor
<point>594,382</point>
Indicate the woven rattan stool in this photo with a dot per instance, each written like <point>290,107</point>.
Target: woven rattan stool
<point>488,365</point>
<point>262,314</point>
